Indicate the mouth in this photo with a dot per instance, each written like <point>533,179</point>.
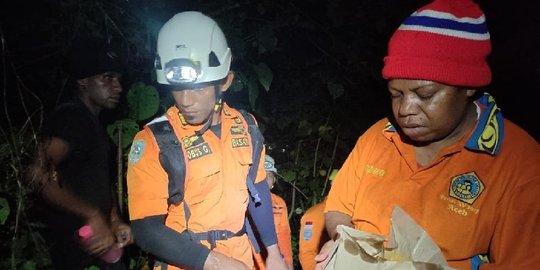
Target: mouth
<point>189,113</point>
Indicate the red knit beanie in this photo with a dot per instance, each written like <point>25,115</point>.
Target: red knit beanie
<point>446,41</point>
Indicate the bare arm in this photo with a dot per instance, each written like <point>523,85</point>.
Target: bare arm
<point>53,153</point>
<point>332,220</point>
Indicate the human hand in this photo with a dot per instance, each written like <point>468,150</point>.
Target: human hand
<point>103,237</point>
<point>218,261</point>
<point>122,233</point>
<point>324,255</point>
<point>274,260</point>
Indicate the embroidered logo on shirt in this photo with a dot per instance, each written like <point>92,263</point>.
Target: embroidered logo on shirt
<point>136,151</point>
<point>237,120</point>
<point>188,141</point>
<point>370,169</point>
<point>238,130</point>
<point>308,230</point>
<point>240,142</point>
<point>198,151</point>
<point>466,187</point>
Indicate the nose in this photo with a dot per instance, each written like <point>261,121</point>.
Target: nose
<point>185,98</point>
<point>117,85</point>
<point>408,105</point>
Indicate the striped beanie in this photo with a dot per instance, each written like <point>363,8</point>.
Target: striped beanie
<point>446,41</point>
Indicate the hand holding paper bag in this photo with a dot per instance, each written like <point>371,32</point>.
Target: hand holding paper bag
<point>409,247</point>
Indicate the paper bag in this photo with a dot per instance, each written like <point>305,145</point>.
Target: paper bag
<point>409,247</point>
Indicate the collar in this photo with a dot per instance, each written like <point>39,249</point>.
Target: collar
<point>488,134</point>
<point>174,115</point>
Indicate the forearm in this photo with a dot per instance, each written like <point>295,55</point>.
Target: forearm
<point>168,245</point>
<point>263,216</point>
<point>66,200</point>
<point>333,219</point>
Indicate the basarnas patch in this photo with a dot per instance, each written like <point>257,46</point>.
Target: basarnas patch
<point>466,187</point>
<point>136,151</point>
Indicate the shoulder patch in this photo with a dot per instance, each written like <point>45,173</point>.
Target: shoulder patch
<point>466,187</point>
<point>308,230</point>
<point>136,151</point>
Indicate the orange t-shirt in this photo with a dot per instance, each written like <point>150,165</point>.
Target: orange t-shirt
<point>469,201</point>
<point>312,235</point>
<point>215,186</point>
<point>283,232</point>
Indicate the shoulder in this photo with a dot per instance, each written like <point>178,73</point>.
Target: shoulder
<point>519,148</point>
<point>276,199</point>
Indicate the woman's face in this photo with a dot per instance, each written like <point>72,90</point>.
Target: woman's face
<point>428,111</point>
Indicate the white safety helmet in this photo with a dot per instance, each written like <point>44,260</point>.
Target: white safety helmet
<point>269,164</point>
<point>191,48</point>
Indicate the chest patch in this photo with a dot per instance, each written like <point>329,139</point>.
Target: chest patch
<point>188,141</point>
<point>238,130</point>
<point>198,151</point>
<point>466,187</point>
<point>240,142</point>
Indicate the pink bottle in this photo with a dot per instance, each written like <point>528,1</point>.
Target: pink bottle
<point>86,234</point>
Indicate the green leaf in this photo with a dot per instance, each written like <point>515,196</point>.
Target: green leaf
<point>336,89</point>
<point>253,89</point>
<point>29,265</point>
<point>143,101</point>
<point>4,210</point>
<point>264,74</point>
<point>288,176</point>
<point>93,267</point>
<point>128,128</point>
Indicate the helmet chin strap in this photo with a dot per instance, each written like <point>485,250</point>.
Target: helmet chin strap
<point>217,109</point>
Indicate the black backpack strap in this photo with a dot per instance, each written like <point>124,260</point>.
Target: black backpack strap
<point>171,158</point>
<point>257,142</point>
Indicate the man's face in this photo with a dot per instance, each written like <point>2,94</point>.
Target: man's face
<point>196,105</point>
<point>427,111</point>
<point>103,90</point>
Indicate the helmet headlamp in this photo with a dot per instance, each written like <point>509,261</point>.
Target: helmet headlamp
<point>182,71</point>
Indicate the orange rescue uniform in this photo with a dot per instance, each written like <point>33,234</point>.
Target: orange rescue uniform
<point>469,200</point>
<point>215,187</point>
<point>312,235</point>
<point>283,232</point>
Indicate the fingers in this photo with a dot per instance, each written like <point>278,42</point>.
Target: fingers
<point>123,235</point>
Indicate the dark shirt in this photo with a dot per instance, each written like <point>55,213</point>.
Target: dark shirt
<point>86,171</point>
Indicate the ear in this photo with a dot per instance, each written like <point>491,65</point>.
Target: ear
<point>82,83</point>
<point>227,81</point>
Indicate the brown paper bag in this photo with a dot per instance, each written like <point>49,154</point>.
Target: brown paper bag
<point>409,247</point>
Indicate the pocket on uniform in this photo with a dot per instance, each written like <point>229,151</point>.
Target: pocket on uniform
<point>203,178</point>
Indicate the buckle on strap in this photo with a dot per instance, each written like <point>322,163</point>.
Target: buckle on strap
<point>215,235</point>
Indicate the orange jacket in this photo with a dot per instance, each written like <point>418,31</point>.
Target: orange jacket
<point>469,200</point>
<point>312,235</point>
<point>283,231</point>
<point>215,187</point>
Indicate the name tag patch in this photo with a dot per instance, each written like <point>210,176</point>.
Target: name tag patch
<point>240,142</point>
<point>198,151</point>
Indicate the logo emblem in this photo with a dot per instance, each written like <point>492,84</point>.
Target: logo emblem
<point>308,230</point>
<point>466,187</point>
<point>136,151</point>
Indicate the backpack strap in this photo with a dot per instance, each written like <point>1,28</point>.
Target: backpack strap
<point>171,157</point>
<point>257,142</point>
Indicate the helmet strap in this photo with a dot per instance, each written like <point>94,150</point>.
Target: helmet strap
<point>217,109</point>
